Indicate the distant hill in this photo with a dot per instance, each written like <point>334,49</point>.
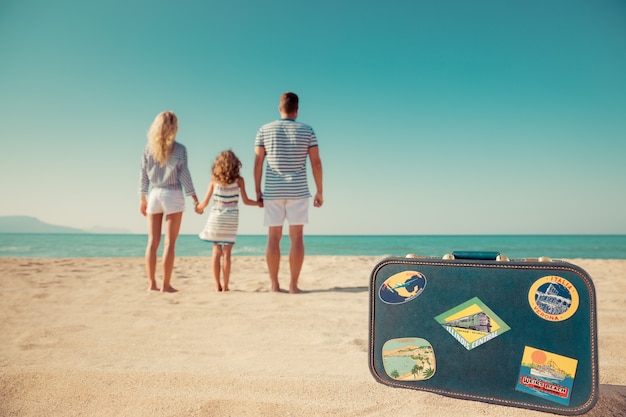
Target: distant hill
<point>109,230</point>
<point>26,224</point>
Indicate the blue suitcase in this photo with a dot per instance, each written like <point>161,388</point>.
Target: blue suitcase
<point>479,326</point>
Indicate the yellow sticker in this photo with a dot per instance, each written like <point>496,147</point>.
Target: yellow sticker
<point>553,298</point>
<point>402,287</point>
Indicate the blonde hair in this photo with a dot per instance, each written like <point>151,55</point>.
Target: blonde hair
<point>161,135</point>
<point>225,169</point>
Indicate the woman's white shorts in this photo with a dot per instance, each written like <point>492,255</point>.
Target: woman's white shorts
<point>161,200</point>
<point>295,211</point>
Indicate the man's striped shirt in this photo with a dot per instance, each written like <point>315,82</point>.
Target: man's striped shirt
<point>286,144</point>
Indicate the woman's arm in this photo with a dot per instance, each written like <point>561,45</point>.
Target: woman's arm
<point>143,205</point>
<point>144,184</point>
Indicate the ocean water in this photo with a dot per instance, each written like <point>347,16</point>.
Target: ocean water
<point>513,246</point>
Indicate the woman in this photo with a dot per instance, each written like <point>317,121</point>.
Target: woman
<point>164,174</point>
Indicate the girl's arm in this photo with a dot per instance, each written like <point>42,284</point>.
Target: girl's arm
<point>207,198</point>
<point>244,195</point>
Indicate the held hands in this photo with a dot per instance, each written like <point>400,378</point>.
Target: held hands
<point>199,208</point>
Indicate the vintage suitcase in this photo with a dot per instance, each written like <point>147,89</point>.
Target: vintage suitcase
<point>479,326</point>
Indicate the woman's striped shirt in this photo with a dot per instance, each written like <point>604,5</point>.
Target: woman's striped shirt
<point>173,176</point>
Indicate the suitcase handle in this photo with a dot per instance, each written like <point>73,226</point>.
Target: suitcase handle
<point>476,255</point>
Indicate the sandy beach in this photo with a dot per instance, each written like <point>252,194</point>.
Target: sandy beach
<point>83,337</point>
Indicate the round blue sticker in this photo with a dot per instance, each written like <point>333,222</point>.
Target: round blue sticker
<point>402,287</point>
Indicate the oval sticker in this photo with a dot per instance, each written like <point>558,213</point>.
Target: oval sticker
<point>402,287</point>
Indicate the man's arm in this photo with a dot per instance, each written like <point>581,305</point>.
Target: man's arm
<point>316,167</point>
<point>259,157</point>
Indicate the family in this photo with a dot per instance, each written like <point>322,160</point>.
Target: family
<point>282,147</point>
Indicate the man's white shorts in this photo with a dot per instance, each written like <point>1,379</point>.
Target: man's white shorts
<point>295,211</point>
<point>161,200</point>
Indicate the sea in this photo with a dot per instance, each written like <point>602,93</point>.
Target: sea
<point>23,245</point>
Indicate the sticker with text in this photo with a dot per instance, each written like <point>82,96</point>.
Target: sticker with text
<point>402,287</point>
<point>472,323</point>
<point>547,375</point>
<point>409,359</point>
<point>553,298</point>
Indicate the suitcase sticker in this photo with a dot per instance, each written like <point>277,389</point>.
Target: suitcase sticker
<point>409,358</point>
<point>553,298</point>
<point>402,287</point>
<point>547,375</point>
<point>472,323</point>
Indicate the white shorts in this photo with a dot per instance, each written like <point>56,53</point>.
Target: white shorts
<point>295,211</point>
<point>161,200</point>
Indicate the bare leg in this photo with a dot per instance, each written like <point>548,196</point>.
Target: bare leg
<point>172,227</point>
<point>217,257</point>
<point>272,255</point>
<point>154,239</point>
<point>227,250</point>
<point>296,256</point>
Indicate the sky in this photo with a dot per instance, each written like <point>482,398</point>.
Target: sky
<point>433,117</point>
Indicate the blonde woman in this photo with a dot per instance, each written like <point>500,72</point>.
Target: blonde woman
<point>164,174</point>
<point>221,227</point>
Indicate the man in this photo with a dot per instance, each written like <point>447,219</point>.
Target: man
<point>285,145</point>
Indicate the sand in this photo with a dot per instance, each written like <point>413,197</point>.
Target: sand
<point>82,337</point>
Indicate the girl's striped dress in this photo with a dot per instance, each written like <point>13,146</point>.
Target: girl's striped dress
<point>221,226</point>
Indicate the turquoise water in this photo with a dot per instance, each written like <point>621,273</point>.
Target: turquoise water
<point>520,246</point>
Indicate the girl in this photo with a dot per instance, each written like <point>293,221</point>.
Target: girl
<point>221,226</point>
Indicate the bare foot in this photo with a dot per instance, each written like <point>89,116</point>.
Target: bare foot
<point>169,288</point>
<point>218,288</point>
<point>152,285</point>
<point>226,289</point>
<point>294,290</point>
<point>275,288</point>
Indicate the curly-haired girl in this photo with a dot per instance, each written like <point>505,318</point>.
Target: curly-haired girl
<point>221,226</point>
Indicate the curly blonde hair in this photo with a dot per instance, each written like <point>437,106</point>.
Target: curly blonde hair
<point>225,168</point>
<point>162,134</point>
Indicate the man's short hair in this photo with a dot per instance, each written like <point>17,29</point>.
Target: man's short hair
<point>289,102</point>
